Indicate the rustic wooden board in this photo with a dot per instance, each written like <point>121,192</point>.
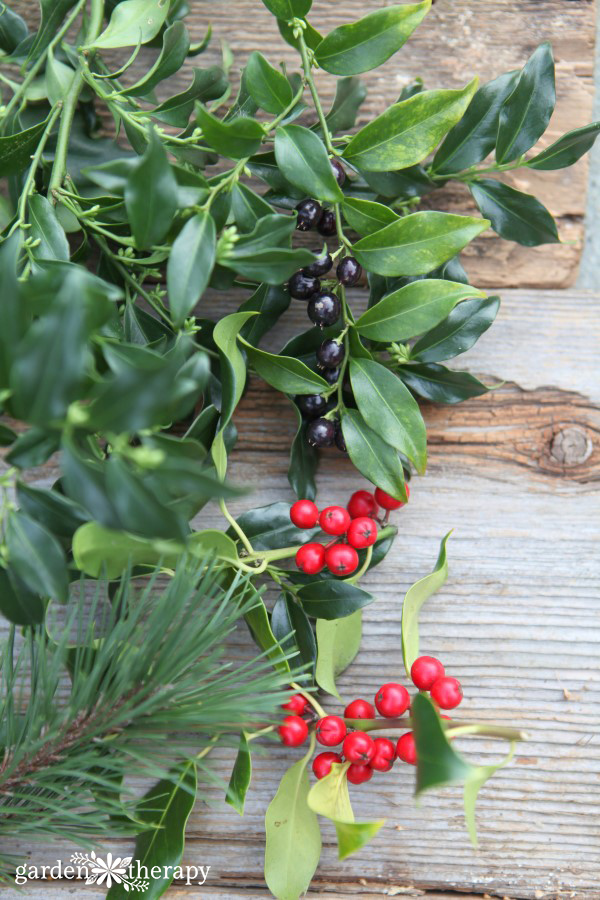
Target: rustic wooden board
<point>518,622</point>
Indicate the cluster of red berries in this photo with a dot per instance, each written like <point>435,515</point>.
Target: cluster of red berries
<point>364,753</point>
<point>356,525</point>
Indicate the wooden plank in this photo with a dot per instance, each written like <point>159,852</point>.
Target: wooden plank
<point>518,622</point>
<point>458,38</point>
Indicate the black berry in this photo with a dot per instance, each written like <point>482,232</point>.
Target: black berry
<point>312,405</point>
<point>309,213</point>
<point>320,433</point>
<point>324,309</point>
<point>348,271</point>
<point>327,225</point>
<point>338,171</point>
<point>340,443</point>
<point>303,286</point>
<point>331,376</point>
<point>320,266</point>
<point>330,354</point>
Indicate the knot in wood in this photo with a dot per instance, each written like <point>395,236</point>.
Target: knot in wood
<point>571,446</point>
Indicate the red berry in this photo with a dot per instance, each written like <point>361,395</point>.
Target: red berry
<point>388,502</point>
<point>385,753</point>
<point>358,773</point>
<point>362,532</point>
<point>341,559</point>
<point>323,761</point>
<point>392,700</point>
<point>296,704</point>
<point>446,692</point>
<point>304,514</point>
<point>362,503</point>
<point>311,558</point>
<point>359,709</point>
<point>331,730</point>
<point>293,731</point>
<point>358,747</point>
<point>406,749</point>
<point>334,520</point>
<point>424,671</point>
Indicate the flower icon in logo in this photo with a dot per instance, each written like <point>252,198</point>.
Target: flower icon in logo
<point>108,870</point>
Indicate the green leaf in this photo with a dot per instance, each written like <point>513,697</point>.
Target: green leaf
<point>151,193</point>
<point>293,836</point>
<point>58,78</point>
<point>236,139</point>
<point>241,776</point>
<point>414,599</point>
<point>16,149</point>
<point>413,309</point>
<point>368,43</point>
<point>164,811</point>
<point>36,557</point>
<point>350,94</point>
<point>270,302</point>
<point>207,84</point>
<point>332,599</point>
<point>352,836</point>
<point>293,630</point>
<point>132,22</point>
<point>17,603</point>
<point>51,509</point>
<point>329,797</point>
<point>139,509</point>
<point>284,373</point>
<point>526,113</point>
<point>373,458</point>
<point>270,528</point>
<point>418,243</point>
<point>259,624</point>
<point>514,215</point>
<point>303,160</point>
<point>33,448</point>
<point>288,9</point>
<point>106,553</point>
<point>53,15</point>
<point>46,229</point>
<point>268,88</point>
<point>458,331</point>
<point>408,131</point>
<point>473,784</point>
<point>247,207</point>
<point>175,46</point>
<point>303,462</point>
<point>338,642</point>
<point>272,265</point>
<point>438,763</point>
<point>474,137</point>
<point>441,385</point>
<point>312,38</point>
<point>366,216</point>
<point>388,407</point>
<point>190,264</point>
<point>13,29</point>
<point>201,543</point>
<point>567,149</point>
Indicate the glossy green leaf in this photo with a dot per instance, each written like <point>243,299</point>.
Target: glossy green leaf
<point>241,776</point>
<point>303,462</point>
<point>17,603</point>
<point>151,194</point>
<point>257,620</point>
<point>288,9</point>
<point>236,139</point>
<point>51,509</point>
<point>268,87</point>
<point>514,215</point>
<point>372,456</point>
<point>286,374</point>
<point>106,553</point>
<point>458,331</point>
<point>338,642</point>
<point>207,84</point>
<point>352,836</point>
<point>175,46</point>
<point>46,229</point>
<point>58,78</point>
<point>441,385</point>
<point>133,22</point>
<point>270,302</point>
<point>248,207</point>
<point>389,408</point>
<point>293,630</point>
<point>438,763</point>
<point>33,448</point>
<point>408,131</point>
<point>332,599</point>
<point>139,510</point>
<point>303,160</point>
<point>272,265</point>
<point>474,137</point>
<point>418,243</point>
<point>190,264</point>
<point>567,149</point>
<point>16,149</point>
<point>36,557</point>
<point>53,14</point>
<point>329,797</point>
<point>366,216</point>
<point>366,44</point>
<point>350,94</point>
<point>526,113</point>
<point>413,309</point>
<point>13,29</point>
<point>164,811</point>
<point>270,528</point>
<point>293,836</point>
<point>201,543</point>
<point>414,599</point>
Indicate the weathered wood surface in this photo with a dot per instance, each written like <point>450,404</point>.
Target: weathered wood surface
<point>518,622</point>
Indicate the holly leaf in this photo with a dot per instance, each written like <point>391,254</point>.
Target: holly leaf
<point>332,599</point>
<point>414,599</point>
<point>338,642</point>
<point>270,527</point>
<point>353,836</point>
<point>294,632</point>
<point>329,797</point>
<point>438,764</point>
<point>303,462</point>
